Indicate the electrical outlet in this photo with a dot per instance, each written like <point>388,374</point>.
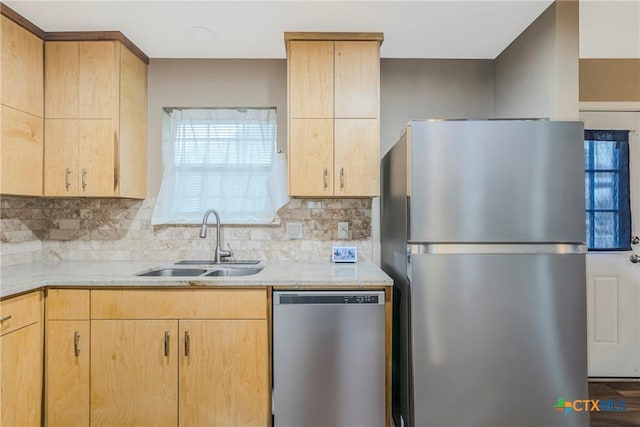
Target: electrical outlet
<point>343,230</point>
<point>293,230</point>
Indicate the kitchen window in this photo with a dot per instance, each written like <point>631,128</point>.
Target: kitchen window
<point>608,211</point>
<point>218,159</point>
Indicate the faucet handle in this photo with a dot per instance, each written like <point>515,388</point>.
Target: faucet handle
<point>226,254</point>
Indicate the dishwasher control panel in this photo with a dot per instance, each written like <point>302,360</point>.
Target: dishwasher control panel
<point>330,298</point>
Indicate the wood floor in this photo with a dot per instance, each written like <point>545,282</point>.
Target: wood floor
<point>614,390</point>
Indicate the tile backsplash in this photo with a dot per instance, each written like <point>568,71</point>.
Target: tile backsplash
<point>120,229</point>
<point>22,230</point>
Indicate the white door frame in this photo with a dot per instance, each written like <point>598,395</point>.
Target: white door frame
<point>623,107</point>
<point>609,106</point>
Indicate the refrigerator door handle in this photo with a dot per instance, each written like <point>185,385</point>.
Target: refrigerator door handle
<point>496,248</point>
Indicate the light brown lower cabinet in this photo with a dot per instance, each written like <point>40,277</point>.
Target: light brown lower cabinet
<point>183,358</point>
<point>21,360</point>
<point>67,381</point>
<point>21,377</point>
<point>134,366</point>
<point>223,373</point>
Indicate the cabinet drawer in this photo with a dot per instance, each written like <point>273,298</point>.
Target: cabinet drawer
<point>67,304</point>
<point>179,304</point>
<point>20,311</point>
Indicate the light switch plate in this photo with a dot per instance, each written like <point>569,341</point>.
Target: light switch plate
<point>293,230</point>
<point>343,230</point>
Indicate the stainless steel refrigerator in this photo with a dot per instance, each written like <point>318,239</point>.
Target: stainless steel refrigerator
<point>483,230</point>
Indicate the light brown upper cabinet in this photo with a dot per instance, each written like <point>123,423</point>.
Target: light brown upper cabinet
<point>95,120</point>
<point>21,138</point>
<point>333,85</point>
<point>310,70</point>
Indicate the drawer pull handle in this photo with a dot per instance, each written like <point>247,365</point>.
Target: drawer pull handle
<point>187,343</point>
<point>5,318</point>
<point>166,343</point>
<point>76,340</point>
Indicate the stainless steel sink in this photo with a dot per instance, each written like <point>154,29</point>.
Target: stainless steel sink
<point>212,262</point>
<point>235,271</point>
<point>200,272</point>
<point>174,272</point>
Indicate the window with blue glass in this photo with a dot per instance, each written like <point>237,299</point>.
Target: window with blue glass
<point>608,210</point>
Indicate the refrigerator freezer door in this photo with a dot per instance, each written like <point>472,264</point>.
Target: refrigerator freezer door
<point>497,339</point>
<point>496,181</point>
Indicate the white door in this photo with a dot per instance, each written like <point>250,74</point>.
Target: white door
<point>613,281</point>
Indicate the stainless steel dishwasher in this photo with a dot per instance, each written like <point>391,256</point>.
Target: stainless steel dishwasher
<point>328,359</point>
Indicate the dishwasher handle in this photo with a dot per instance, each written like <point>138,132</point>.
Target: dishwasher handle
<point>328,298</point>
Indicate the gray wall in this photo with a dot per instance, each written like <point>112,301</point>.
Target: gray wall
<point>537,74</point>
<point>432,88</point>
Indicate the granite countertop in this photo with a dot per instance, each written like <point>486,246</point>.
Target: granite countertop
<point>21,278</point>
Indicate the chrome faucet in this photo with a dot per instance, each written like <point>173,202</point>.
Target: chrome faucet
<point>219,253</point>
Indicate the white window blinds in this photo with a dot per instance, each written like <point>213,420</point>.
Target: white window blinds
<point>221,159</point>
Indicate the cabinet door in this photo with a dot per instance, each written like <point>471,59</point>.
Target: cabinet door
<point>61,174</point>
<point>21,377</point>
<point>21,152</point>
<point>132,138</point>
<point>96,158</point>
<point>22,64</point>
<point>357,157</point>
<point>311,157</point>
<point>67,373</point>
<point>357,79</point>
<point>134,372</point>
<point>61,80</point>
<point>97,79</point>
<point>310,79</point>
<point>224,373</point>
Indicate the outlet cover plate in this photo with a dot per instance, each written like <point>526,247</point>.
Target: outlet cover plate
<point>293,230</point>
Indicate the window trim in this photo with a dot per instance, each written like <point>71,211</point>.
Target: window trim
<point>173,216</point>
<point>621,172</point>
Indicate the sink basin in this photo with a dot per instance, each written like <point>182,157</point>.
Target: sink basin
<point>235,271</point>
<point>175,272</point>
<point>212,262</point>
<point>202,272</point>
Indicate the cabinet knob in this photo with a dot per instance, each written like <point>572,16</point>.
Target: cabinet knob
<point>634,258</point>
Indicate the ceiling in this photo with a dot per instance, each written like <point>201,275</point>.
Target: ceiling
<point>254,29</point>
